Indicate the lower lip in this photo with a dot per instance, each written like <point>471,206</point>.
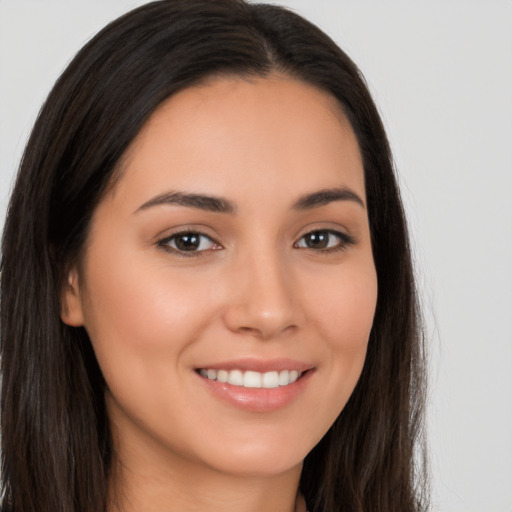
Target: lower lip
<point>258,399</point>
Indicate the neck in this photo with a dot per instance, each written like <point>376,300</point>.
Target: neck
<point>148,492</point>
<point>144,483</point>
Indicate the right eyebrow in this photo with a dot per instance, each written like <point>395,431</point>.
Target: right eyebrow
<point>199,201</point>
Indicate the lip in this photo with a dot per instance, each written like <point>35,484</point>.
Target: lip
<point>259,400</point>
<point>259,365</point>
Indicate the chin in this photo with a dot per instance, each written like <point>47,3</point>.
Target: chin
<point>257,459</point>
<point>258,467</point>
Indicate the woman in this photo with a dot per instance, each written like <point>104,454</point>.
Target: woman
<point>207,292</point>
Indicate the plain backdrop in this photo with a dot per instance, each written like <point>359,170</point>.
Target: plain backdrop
<point>441,73</point>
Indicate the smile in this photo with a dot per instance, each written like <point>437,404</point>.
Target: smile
<point>256,385</point>
<point>252,379</point>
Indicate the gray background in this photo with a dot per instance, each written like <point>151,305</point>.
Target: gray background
<point>441,72</point>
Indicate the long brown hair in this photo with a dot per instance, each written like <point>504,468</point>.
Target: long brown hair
<point>56,441</point>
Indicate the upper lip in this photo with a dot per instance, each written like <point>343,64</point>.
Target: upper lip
<point>259,365</point>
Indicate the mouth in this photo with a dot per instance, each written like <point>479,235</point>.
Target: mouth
<point>252,379</point>
<point>257,385</point>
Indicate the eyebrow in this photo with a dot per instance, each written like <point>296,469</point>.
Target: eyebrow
<point>220,205</point>
<point>199,201</point>
<point>326,196</point>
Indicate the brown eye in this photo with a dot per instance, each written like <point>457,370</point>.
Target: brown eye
<point>317,240</point>
<point>324,239</point>
<point>189,242</point>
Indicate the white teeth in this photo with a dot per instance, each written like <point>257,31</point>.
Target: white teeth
<point>236,377</point>
<point>222,376</point>
<point>250,379</point>
<point>271,380</point>
<point>284,378</point>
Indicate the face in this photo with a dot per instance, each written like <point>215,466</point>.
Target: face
<point>227,283</point>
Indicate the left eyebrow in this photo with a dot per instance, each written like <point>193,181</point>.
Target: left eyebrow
<point>326,196</point>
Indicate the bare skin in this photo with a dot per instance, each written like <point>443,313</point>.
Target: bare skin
<point>236,238</point>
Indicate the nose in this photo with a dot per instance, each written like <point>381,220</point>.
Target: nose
<point>264,300</point>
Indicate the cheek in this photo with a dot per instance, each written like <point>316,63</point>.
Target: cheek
<point>341,312</point>
<point>344,317</point>
<point>344,310</point>
<point>142,320</point>
<point>140,314</point>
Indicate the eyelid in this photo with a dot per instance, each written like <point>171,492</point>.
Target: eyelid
<point>346,239</point>
<point>164,242</point>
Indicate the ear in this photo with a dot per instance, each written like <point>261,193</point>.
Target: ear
<point>71,312</point>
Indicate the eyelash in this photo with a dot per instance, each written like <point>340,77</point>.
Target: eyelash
<point>344,242</point>
<point>165,243</point>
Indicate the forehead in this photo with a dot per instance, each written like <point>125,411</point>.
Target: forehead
<point>230,131</point>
